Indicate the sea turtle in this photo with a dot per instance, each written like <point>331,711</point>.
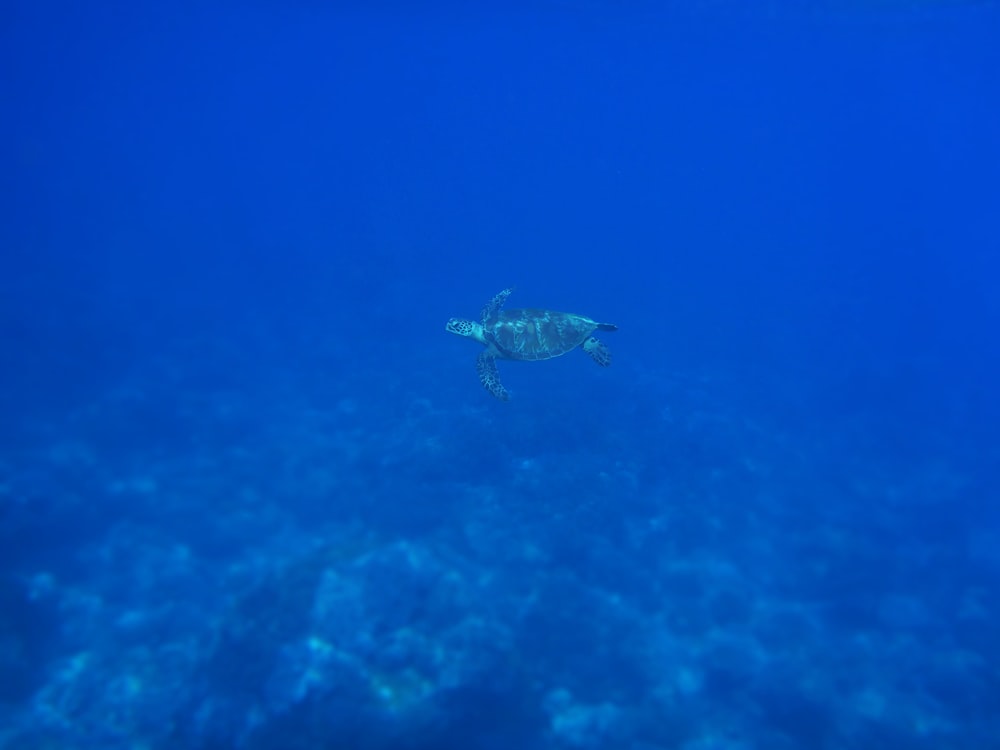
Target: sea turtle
<point>528,335</point>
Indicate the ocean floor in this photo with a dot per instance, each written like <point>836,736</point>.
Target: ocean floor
<point>203,555</point>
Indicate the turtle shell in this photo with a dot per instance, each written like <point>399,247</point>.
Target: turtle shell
<point>530,334</point>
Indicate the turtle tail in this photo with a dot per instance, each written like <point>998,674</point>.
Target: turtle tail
<point>606,327</point>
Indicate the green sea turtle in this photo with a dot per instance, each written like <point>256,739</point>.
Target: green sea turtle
<point>527,335</point>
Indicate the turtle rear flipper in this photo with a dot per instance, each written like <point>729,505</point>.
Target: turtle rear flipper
<point>598,351</point>
<point>486,366</point>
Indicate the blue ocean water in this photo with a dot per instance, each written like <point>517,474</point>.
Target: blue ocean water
<point>252,494</point>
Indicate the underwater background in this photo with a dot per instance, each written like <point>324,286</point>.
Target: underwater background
<point>252,494</point>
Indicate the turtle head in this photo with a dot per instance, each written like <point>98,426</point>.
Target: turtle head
<point>465,328</point>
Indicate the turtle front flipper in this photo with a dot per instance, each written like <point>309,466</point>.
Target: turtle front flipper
<point>598,351</point>
<point>492,308</point>
<point>486,366</point>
